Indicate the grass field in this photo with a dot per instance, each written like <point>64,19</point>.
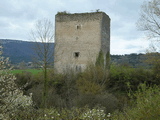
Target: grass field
<point>33,71</point>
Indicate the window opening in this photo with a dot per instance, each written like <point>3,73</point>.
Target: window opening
<point>76,54</point>
<point>78,27</point>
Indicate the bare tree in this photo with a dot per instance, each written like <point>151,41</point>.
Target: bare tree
<point>43,34</point>
<point>149,20</point>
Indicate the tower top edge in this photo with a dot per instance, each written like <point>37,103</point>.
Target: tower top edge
<point>63,16</point>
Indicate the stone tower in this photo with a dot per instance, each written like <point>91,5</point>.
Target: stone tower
<point>79,38</point>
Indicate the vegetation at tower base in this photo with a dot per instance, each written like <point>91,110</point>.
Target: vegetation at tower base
<point>103,60</point>
<point>100,59</point>
<point>108,60</point>
<point>76,96</point>
<point>92,94</point>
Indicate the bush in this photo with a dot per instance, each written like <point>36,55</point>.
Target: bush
<point>145,107</point>
<point>121,76</point>
<point>61,90</point>
<point>11,97</point>
<point>106,100</point>
<point>93,80</point>
<point>53,99</point>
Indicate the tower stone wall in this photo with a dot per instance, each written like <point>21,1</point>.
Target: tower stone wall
<point>78,40</point>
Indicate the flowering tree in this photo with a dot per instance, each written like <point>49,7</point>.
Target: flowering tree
<point>11,98</point>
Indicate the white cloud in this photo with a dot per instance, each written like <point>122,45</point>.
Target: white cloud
<point>121,46</point>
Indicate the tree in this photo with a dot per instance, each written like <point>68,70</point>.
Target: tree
<point>149,20</point>
<point>11,97</point>
<point>43,34</point>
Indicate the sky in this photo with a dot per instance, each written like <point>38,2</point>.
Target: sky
<point>17,18</point>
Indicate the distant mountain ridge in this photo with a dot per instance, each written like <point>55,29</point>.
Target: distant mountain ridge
<point>18,50</point>
<point>22,51</point>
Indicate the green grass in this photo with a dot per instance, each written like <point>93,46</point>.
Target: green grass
<point>33,71</point>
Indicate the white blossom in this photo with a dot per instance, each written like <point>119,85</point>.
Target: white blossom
<point>11,98</point>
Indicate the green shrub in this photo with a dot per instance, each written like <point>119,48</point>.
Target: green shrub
<point>156,72</point>
<point>53,98</point>
<point>106,100</point>
<point>145,107</point>
<point>120,76</point>
<point>93,80</point>
<point>61,90</point>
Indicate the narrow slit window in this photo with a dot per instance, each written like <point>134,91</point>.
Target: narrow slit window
<point>76,54</point>
<point>78,27</point>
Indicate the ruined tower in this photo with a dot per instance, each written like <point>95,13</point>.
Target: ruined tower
<point>79,38</point>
